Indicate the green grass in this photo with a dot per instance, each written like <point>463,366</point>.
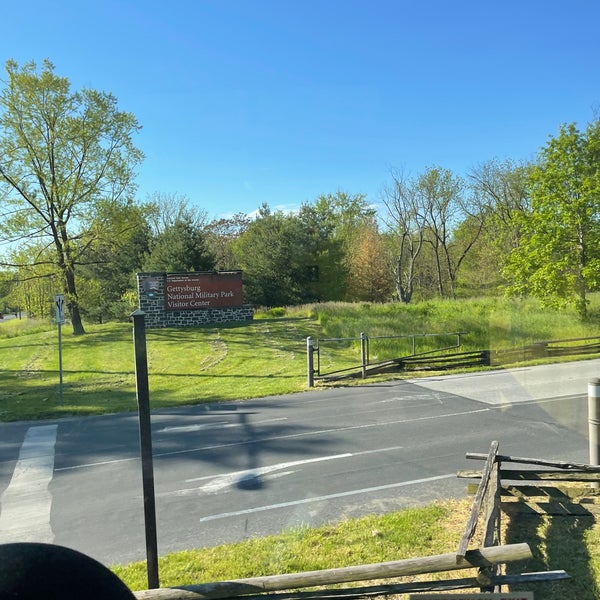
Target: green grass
<point>186,366</point>
<point>238,361</point>
<point>402,534</point>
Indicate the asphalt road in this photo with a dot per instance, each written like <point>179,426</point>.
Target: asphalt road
<point>229,472</point>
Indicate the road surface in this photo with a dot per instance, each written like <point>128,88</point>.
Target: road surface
<point>229,472</point>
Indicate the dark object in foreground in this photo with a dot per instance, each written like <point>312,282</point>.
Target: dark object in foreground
<point>32,570</point>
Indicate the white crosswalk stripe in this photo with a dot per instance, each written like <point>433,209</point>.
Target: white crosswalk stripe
<point>25,504</point>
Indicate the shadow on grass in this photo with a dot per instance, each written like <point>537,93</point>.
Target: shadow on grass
<point>558,542</point>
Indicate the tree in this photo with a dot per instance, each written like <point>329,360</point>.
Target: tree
<point>558,256</point>
<point>324,253</point>
<point>406,231</point>
<point>344,217</point>
<point>502,188</point>
<point>181,247</point>
<point>441,207</point>
<point>423,215</point>
<point>108,267</point>
<point>274,253</point>
<point>220,238</point>
<point>369,266</point>
<point>164,210</point>
<point>61,153</point>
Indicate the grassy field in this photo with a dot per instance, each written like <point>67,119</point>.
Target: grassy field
<point>268,357</point>
<point>238,361</point>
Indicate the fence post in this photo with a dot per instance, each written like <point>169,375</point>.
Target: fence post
<point>364,353</point>
<point>143,400</point>
<point>310,362</point>
<point>594,422</point>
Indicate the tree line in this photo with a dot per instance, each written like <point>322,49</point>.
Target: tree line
<point>70,221</point>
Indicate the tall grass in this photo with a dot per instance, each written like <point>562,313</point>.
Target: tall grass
<point>489,323</point>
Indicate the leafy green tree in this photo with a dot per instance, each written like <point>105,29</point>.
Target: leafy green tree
<point>108,267</point>
<point>33,287</point>
<point>7,285</point>
<point>181,247</point>
<point>343,216</point>
<point>558,256</point>
<point>324,256</point>
<point>61,153</point>
<point>272,252</point>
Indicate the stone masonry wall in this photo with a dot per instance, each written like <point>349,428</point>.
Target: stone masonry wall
<point>151,295</point>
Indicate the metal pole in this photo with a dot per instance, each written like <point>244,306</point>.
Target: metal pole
<point>60,365</point>
<point>143,401</point>
<point>364,359</point>
<point>310,362</point>
<point>59,308</point>
<point>594,420</point>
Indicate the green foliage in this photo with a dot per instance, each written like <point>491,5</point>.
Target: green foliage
<point>109,265</point>
<point>181,247</point>
<point>558,257</point>
<point>274,254</point>
<point>61,153</point>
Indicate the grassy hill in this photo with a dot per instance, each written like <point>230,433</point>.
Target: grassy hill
<point>238,361</point>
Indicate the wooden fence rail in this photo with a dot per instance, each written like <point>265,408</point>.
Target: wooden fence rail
<point>443,358</point>
<point>400,568</point>
<point>494,486</point>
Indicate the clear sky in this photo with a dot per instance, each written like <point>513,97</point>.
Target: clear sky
<point>279,101</point>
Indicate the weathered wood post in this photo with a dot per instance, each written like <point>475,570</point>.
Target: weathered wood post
<point>594,422</point>
<point>143,401</point>
<point>310,362</point>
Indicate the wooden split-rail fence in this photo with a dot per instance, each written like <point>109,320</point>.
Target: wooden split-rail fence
<point>447,356</point>
<point>484,562</point>
<point>537,487</point>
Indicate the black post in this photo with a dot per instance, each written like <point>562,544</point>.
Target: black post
<point>143,401</point>
<point>310,362</point>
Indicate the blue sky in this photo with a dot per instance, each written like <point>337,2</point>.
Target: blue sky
<point>279,101</point>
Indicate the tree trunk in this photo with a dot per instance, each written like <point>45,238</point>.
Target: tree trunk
<point>72,301</point>
<point>76,320</point>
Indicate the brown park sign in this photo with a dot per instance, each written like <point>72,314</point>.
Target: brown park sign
<point>197,291</point>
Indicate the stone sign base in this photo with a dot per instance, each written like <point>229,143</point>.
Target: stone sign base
<point>151,295</point>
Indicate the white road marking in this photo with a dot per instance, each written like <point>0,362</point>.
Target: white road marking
<point>224,481</point>
<point>25,504</point>
<point>215,425</point>
<point>192,428</point>
<point>378,488</point>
